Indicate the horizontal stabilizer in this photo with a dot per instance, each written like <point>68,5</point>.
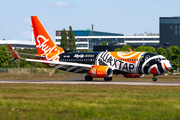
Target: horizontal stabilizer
<point>31,55</point>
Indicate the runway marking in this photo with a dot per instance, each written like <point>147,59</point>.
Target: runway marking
<point>74,82</point>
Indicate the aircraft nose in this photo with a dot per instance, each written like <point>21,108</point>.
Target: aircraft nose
<point>171,64</point>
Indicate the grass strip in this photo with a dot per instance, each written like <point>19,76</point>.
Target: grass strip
<point>35,101</point>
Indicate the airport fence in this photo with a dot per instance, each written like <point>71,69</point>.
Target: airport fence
<point>28,70</point>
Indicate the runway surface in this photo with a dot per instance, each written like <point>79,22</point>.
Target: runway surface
<point>95,82</point>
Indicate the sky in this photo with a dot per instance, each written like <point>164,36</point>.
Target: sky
<point>118,16</point>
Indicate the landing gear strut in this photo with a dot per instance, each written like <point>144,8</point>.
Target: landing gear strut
<point>88,78</point>
<point>154,79</point>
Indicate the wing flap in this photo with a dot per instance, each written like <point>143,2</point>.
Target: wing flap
<point>55,62</point>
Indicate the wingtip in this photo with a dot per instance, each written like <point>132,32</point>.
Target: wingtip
<point>13,52</point>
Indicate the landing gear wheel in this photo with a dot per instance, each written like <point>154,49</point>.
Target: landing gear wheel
<point>108,79</point>
<point>88,78</point>
<point>154,79</point>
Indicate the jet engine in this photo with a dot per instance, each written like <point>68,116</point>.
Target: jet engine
<point>101,72</point>
<point>133,75</point>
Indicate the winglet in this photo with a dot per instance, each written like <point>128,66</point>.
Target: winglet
<point>130,50</point>
<point>13,52</point>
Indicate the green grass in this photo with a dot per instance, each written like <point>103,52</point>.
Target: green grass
<point>95,102</point>
<point>60,76</point>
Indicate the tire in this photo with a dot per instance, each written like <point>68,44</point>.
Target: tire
<point>108,79</point>
<point>88,78</point>
<point>154,79</point>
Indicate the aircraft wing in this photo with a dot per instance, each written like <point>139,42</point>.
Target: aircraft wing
<point>67,66</point>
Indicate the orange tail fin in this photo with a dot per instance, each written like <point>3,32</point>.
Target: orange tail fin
<point>44,43</point>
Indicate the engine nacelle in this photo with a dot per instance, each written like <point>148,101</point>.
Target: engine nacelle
<point>133,75</point>
<point>101,71</point>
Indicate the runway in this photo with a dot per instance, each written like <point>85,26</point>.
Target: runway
<point>96,82</point>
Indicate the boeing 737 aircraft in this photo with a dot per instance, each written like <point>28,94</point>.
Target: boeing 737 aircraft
<point>94,64</point>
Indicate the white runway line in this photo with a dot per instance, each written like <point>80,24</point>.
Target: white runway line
<point>93,83</point>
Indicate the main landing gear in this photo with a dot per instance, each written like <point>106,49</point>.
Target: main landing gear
<point>88,78</point>
<point>108,79</point>
<point>154,79</point>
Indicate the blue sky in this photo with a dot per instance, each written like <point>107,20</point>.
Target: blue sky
<point>119,16</point>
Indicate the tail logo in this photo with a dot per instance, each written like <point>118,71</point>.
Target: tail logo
<point>42,44</point>
<point>51,50</point>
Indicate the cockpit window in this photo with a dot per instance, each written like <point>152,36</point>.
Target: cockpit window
<point>158,59</point>
<point>163,58</point>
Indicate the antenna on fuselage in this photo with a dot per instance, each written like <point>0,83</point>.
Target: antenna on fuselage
<point>130,50</point>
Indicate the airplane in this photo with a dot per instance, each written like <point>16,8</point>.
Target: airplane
<point>95,64</point>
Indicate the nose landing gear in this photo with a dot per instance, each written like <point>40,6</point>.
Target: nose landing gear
<point>154,79</point>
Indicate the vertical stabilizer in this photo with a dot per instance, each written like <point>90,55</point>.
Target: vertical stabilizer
<point>44,43</point>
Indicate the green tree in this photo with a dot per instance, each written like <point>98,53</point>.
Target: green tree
<point>124,48</point>
<point>175,55</point>
<point>64,40</point>
<point>162,52</point>
<point>145,49</point>
<point>104,43</point>
<point>72,40</point>
<point>118,49</point>
<point>4,56</point>
<point>169,54</point>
